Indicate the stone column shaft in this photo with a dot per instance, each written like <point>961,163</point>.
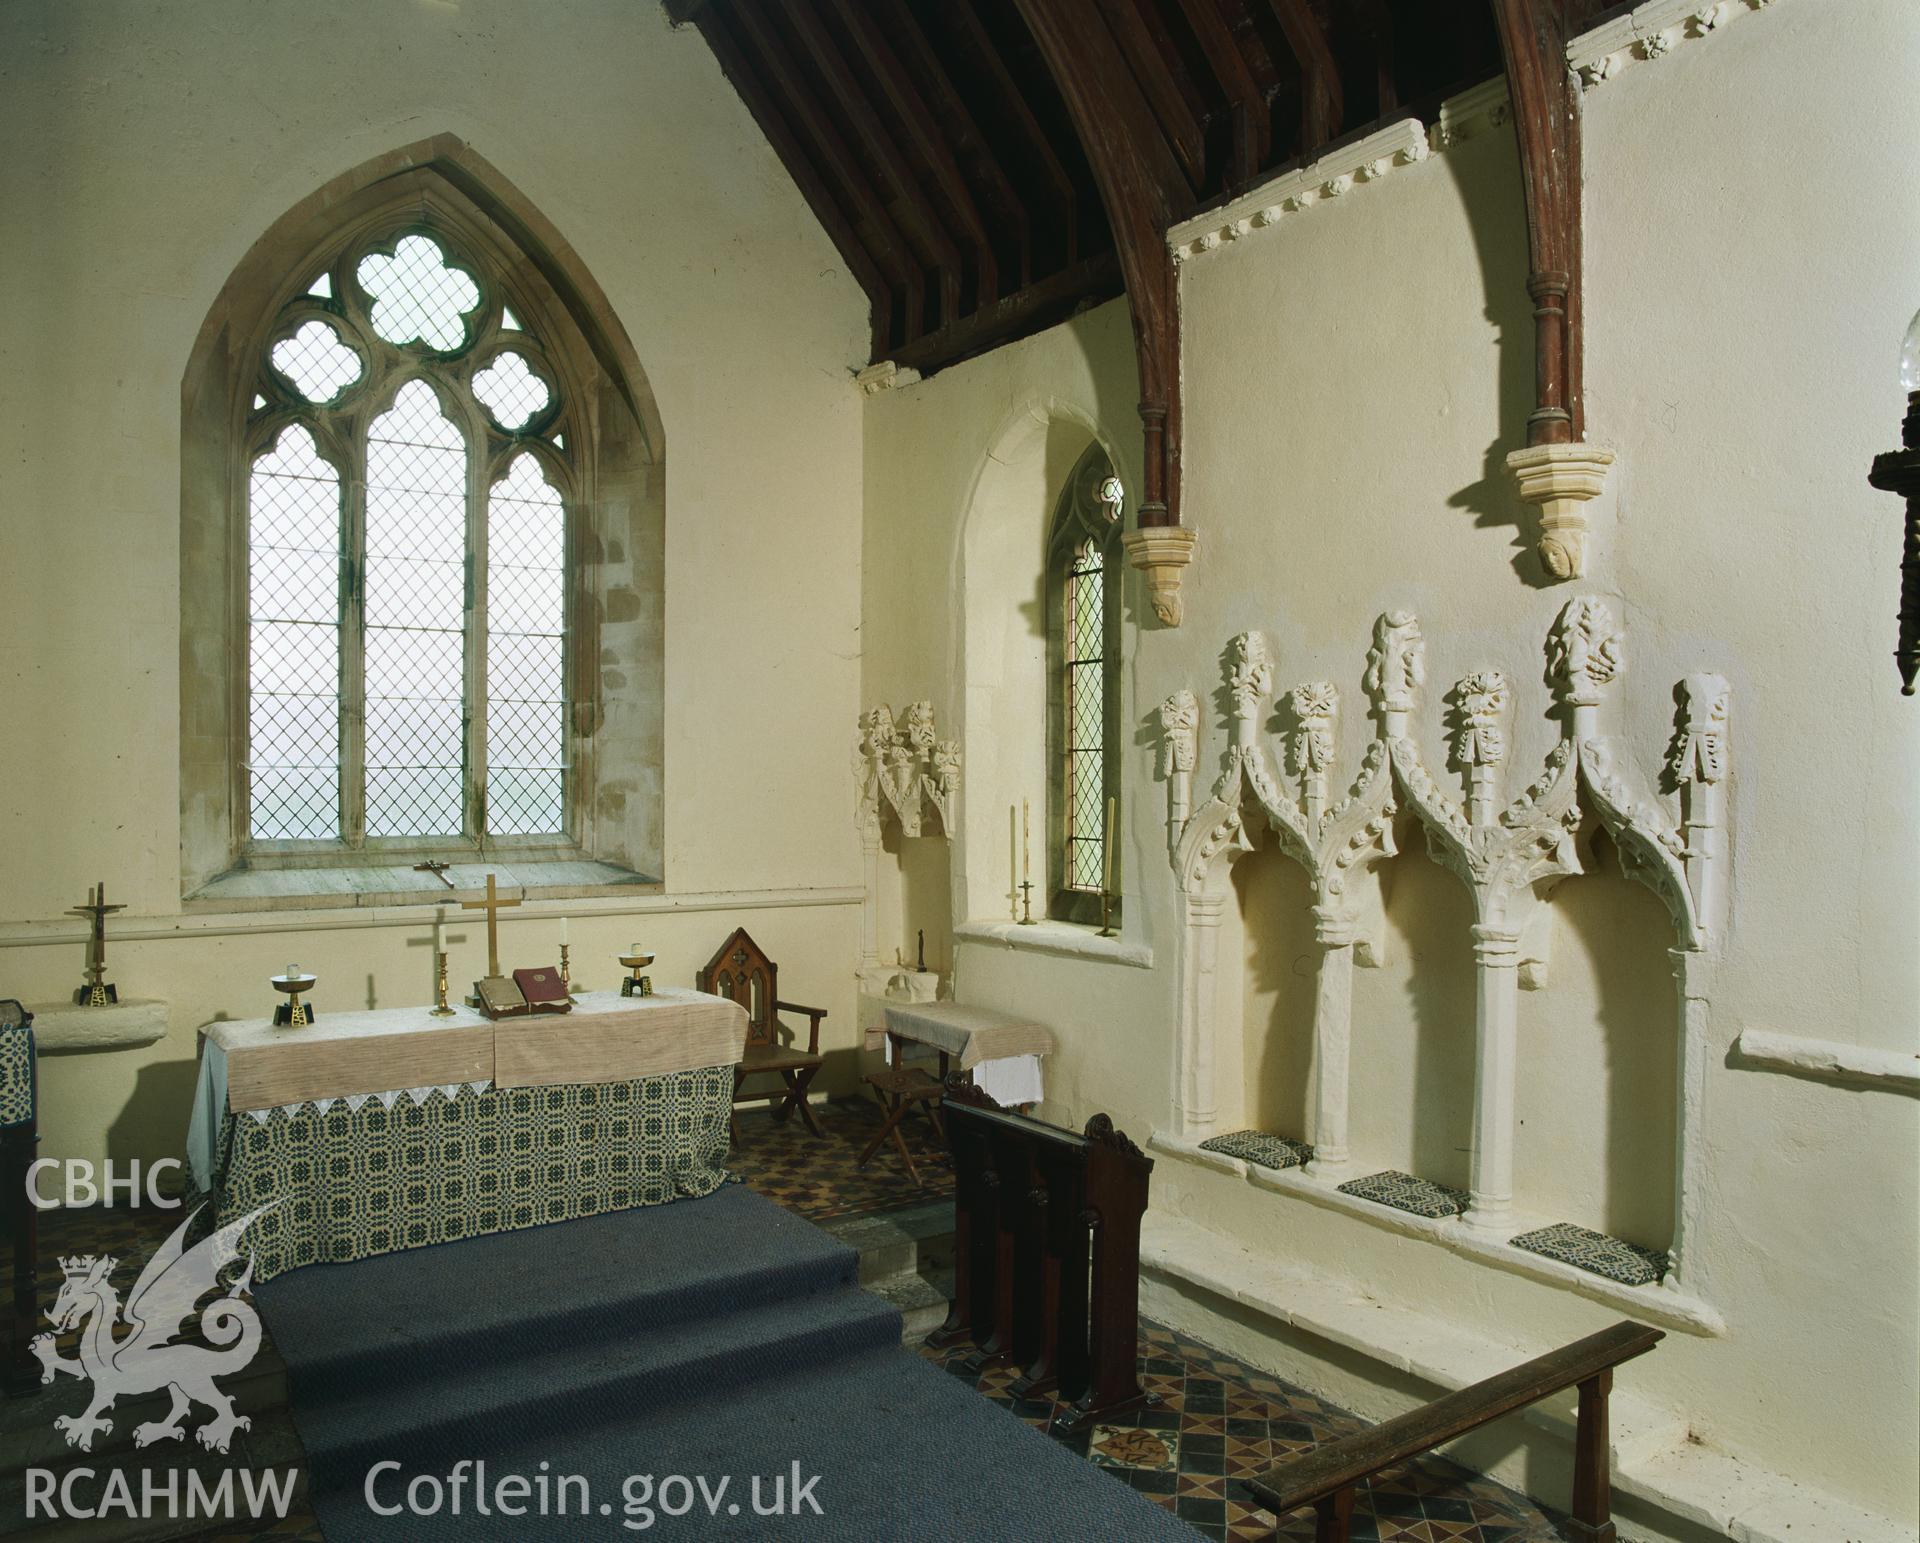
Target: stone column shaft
<point>1497,1046</point>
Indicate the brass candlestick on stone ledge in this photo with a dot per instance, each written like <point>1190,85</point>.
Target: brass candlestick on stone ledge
<point>97,992</point>
<point>440,1008</point>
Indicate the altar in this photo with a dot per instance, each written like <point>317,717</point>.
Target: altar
<point>372,1132</point>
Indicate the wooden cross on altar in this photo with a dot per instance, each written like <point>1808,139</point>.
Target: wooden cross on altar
<point>492,905</point>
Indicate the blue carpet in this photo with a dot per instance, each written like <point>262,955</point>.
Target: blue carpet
<point>712,1339</point>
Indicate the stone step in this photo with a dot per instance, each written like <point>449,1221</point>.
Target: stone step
<point>922,1301</point>
<point>28,1437</point>
<point>914,1240</point>
<point>271,1445</point>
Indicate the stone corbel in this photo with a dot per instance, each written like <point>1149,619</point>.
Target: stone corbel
<point>1162,552</point>
<point>1560,481</point>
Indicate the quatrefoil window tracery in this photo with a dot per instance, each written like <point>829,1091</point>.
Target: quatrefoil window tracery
<point>430,699</point>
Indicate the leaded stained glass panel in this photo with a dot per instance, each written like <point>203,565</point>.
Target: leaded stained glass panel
<point>526,653</point>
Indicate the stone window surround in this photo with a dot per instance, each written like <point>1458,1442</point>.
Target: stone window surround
<point>616,540</point>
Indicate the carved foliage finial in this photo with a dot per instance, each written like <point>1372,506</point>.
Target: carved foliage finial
<point>1310,750</point>
<point>1180,730</point>
<point>905,766</point>
<point>1700,750</point>
<point>1249,675</point>
<point>1585,652</point>
<point>1482,736</point>
<point>1397,662</point>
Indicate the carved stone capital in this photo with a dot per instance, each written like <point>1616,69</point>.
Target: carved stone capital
<point>1161,552</point>
<point>1561,480</point>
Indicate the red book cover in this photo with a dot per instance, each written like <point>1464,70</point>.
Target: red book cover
<point>544,990</point>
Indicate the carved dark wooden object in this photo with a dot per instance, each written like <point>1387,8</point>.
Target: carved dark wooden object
<point>902,1089</point>
<point>741,972</point>
<point>1047,1253</point>
<point>1546,113</point>
<point>1144,190</point>
<point>1898,471</point>
<point>1325,1478</point>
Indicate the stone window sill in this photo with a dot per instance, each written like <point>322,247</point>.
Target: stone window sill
<point>384,884</point>
<point>1062,938</point>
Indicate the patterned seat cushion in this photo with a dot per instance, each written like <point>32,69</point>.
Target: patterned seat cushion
<point>1404,1192</point>
<point>1260,1147</point>
<point>1596,1253</point>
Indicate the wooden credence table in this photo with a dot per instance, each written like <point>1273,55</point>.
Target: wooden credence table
<point>1325,1478</point>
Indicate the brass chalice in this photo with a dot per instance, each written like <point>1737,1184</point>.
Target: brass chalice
<point>292,1013</point>
<point>635,984</point>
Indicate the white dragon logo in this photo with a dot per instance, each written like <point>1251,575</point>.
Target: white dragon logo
<point>143,1360</point>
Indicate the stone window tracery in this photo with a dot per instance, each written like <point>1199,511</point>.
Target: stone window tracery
<point>407,536</point>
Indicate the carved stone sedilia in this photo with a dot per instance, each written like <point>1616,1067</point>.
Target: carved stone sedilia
<point>1510,858</point>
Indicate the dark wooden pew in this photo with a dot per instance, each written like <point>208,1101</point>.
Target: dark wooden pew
<point>1325,1477</point>
<point>1047,1253</point>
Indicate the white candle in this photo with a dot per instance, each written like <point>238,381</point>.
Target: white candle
<point>439,932</point>
<point>292,970</point>
<point>1025,838</point>
<point>563,929</point>
<point>1108,845</point>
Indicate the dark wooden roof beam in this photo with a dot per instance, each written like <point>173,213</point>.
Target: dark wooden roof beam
<point>1014,104</point>
<point>1252,130</point>
<point>1151,65</point>
<point>912,110</point>
<point>1322,101</point>
<point>894,251</point>
<point>851,95</point>
<point>967,138</point>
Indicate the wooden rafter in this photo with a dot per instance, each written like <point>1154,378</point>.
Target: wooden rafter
<point>1151,62</point>
<point>851,96</point>
<point>1252,130</point>
<point>894,249</point>
<point>923,57</point>
<point>759,101</point>
<point>1375,23</point>
<point>1143,188</point>
<point>1547,124</point>
<point>1322,101</point>
<point>1014,103</point>
<point>918,118</point>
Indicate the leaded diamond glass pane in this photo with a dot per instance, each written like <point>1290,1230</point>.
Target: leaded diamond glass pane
<point>415,640</point>
<point>293,581</point>
<point>317,362</point>
<point>1084,639</point>
<point>526,654</point>
<point>418,296</point>
<point>510,390</point>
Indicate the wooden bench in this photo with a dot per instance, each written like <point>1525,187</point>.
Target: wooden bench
<point>1325,1477</point>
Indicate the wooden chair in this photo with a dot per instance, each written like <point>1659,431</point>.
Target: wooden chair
<point>902,1088</point>
<point>741,972</point>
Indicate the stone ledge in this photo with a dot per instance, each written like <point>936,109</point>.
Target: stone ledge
<point>120,1025</point>
<point>1826,1060</point>
<point>1061,938</point>
<point>1662,1305</point>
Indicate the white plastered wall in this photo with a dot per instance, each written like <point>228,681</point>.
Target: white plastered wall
<point>146,152</point>
<point>1353,377</point>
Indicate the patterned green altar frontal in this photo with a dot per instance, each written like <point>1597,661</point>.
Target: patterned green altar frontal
<point>351,1183</point>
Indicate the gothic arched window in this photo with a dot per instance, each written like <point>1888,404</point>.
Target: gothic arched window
<point>407,556</point>
<point>1084,564</point>
<point>425,620</point>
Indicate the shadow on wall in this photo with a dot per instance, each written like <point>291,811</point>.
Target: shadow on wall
<point>1282,973</point>
<point>1598,1078</point>
<point>1413,1025</point>
<point>153,1122</point>
<point>1486,170</point>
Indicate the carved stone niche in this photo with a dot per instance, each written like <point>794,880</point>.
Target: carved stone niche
<point>904,772</point>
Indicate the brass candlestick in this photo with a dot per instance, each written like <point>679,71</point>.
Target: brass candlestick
<point>1026,901</point>
<point>634,984</point>
<point>293,1013</point>
<point>440,1008</point>
<point>1106,914</point>
<point>97,992</point>
<point>566,972</point>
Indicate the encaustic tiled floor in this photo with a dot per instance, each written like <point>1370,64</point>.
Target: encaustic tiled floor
<point>1219,1420</point>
